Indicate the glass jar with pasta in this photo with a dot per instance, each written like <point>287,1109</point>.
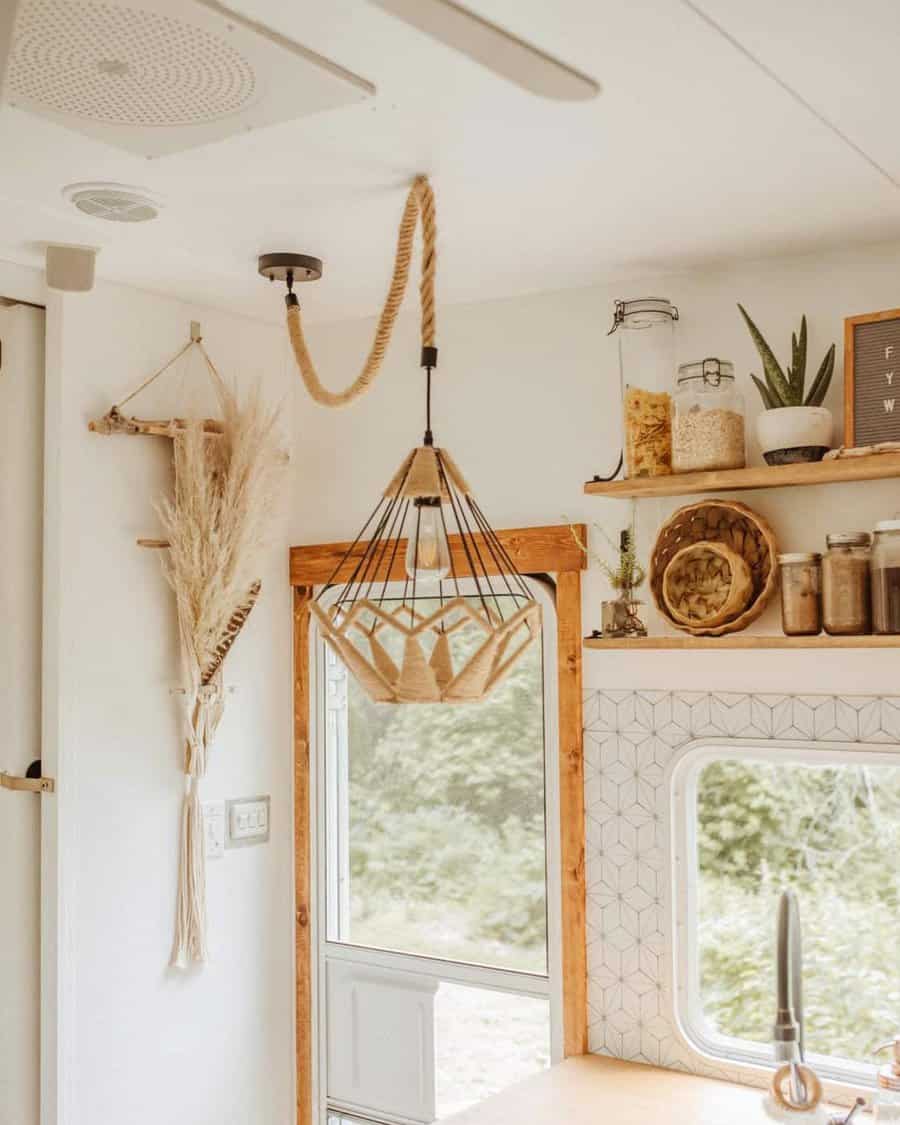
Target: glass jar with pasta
<point>646,334</point>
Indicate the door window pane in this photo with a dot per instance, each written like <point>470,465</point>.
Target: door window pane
<point>442,825</point>
<point>484,1042</point>
<point>831,832</point>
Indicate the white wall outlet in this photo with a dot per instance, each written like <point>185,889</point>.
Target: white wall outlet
<point>248,821</point>
<point>213,829</point>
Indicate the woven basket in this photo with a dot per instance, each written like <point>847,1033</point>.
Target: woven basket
<point>706,584</point>
<point>739,529</point>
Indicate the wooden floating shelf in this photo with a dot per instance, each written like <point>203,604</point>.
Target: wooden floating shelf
<point>737,641</point>
<point>880,466</point>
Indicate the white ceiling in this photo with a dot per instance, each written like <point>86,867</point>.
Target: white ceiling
<point>697,152</point>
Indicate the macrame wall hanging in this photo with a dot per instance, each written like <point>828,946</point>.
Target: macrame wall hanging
<point>227,476</point>
<point>465,615</point>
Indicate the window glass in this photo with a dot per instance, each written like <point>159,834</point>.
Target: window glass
<point>442,822</point>
<point>484,1042</point>
<point>832,832</point>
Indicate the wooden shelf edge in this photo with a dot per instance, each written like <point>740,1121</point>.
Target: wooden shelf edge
<point>737,641</point>
<point>881,466</point>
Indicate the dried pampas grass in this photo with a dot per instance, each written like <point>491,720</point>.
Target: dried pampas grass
<point>218,525</point>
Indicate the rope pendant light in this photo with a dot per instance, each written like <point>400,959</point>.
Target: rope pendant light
<point>465,614</point>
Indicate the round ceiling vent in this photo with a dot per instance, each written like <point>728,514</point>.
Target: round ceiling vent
<point>113,202</point>
<point>105,62</point>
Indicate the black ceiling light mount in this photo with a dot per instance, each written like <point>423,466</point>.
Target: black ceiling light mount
<point>291,269</point>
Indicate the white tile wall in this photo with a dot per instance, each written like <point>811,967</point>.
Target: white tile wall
<point>631,737</point>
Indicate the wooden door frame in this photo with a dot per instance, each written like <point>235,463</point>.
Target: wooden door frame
<point>534,551</point>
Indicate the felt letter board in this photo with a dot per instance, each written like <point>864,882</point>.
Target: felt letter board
<point>872,378</point>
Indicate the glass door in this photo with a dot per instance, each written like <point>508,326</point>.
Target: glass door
<point>437,982</point>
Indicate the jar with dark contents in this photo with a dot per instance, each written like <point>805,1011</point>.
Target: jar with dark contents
<point>846,602</point>
<point>801,604</point>
<point>886,577</point>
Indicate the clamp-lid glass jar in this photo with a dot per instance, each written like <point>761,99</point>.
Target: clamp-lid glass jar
<point>646,332</point>
<point>846,604</point>
<point>708,418</point>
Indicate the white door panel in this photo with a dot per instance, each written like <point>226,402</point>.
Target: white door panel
<point>21,503</point>
<point>381,1041</point>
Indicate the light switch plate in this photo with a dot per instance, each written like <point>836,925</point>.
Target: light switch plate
<point>213,829</point>
<point>248,821</point>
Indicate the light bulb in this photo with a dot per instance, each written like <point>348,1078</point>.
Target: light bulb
<point>428,552</point>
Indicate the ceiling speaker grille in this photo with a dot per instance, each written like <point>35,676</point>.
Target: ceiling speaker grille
<point>125,66</point>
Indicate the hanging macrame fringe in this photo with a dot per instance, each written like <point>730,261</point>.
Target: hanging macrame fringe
<point>190,918</point>
<point>205,712</point>
<point>419,205</point>
<point>217,522</point>
<point>224,495</point>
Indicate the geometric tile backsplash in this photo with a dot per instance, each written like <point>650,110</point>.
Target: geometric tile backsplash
<point>630,739</point>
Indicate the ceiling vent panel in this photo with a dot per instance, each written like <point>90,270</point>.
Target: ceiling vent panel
<point>116,203</point>
<point>163,76</point>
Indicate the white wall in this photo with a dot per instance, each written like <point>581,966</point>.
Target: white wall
<point>139,1042</point>
<point>527,400</point>
<point>155,1044</point>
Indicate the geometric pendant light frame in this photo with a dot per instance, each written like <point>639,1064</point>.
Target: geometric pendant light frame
<point>479,619</point>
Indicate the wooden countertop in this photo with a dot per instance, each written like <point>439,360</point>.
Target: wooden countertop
<point>593,1090</point>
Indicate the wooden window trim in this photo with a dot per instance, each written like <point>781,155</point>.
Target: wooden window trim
<point>534,550</point>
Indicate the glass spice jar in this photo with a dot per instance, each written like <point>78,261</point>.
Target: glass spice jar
<point>886,577</point>
<point>708,418</point>
<point>801,606</point>
<point>646,334</point>
<point>846,601</point>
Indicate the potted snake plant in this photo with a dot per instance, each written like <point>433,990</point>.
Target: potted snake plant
<point>794,426</point>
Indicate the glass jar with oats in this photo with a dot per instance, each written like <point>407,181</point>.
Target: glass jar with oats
<point>646,332</point>
<point>707,418</point>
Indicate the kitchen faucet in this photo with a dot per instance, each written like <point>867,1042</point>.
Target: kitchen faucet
<point>787,1032</point>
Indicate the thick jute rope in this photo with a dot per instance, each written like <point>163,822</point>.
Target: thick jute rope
<point>419,204</point>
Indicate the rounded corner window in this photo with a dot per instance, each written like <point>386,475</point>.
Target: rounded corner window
<point>749,821</point>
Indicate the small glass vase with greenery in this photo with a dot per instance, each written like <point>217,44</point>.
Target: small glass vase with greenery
<point>620,617</point>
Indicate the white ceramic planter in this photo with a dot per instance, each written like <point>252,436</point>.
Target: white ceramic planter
<point>794,433</point>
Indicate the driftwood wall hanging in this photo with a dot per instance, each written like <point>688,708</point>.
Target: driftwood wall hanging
<point>227,474</point>
<point>465,615</point>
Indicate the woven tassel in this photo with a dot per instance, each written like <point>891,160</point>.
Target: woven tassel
<point>190,918</point>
